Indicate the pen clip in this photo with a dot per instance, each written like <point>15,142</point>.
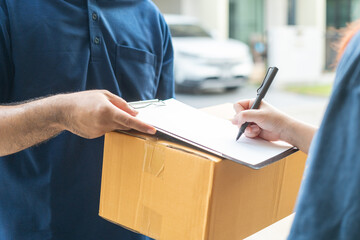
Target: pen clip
<point>263,82</point>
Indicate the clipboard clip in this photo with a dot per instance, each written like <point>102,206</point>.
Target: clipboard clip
<point>147,103</point>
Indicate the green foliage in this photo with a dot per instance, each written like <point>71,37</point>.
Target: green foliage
<point>322,90</point>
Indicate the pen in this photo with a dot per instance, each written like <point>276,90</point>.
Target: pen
<point>262,90</point>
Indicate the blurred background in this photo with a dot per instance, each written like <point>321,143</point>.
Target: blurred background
<point>223,48</point>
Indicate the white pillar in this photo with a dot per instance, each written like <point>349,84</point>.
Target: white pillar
<point>212,14</point>
<point>276,13</point>
<point>311,13</point>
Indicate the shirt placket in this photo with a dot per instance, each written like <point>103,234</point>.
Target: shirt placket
<point>96,38</point>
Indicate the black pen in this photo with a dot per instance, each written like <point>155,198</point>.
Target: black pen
<point>262,90</point>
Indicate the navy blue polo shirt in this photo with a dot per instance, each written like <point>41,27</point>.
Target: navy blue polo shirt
<point>51,191</point>
<point>329,200</point>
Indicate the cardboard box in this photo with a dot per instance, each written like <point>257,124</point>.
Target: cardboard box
<point>169,191</point>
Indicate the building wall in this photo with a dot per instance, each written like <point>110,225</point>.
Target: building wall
<point>276,13</point>
<point>169,6</point>
<point>298,50</point>
<point>310,20</point>
<point>212,14</point>
<point>312,13</point>
<point>308,13</point>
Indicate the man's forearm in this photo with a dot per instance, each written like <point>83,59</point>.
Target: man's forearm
<point>88,114</point>
<point>24,125</point>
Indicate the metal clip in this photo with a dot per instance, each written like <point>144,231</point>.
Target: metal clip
<point>146,103</point>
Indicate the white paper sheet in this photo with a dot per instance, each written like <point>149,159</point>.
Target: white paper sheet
<point>209,132</point>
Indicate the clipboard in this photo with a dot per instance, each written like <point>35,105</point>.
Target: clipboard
<point>209,133</point>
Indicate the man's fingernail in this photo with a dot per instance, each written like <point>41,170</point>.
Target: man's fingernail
<point>132,109</point>
<point>135,112</point>
<point>151,131</point>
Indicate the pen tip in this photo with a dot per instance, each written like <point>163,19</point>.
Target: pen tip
<point>239,134</point>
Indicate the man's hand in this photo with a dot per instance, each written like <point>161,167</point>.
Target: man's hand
<point>91,114</point>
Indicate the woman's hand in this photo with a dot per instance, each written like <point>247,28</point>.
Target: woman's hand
<point>265,122</point>
<point>271,124</point>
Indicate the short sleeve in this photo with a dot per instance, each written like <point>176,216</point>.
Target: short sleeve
<point>6,65</point>
<point>166,81</point>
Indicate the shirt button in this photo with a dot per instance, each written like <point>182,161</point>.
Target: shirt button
<point>97,40</point>
<point>94,16</point>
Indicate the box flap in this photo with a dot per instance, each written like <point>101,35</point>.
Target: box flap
<point>174,143</point>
